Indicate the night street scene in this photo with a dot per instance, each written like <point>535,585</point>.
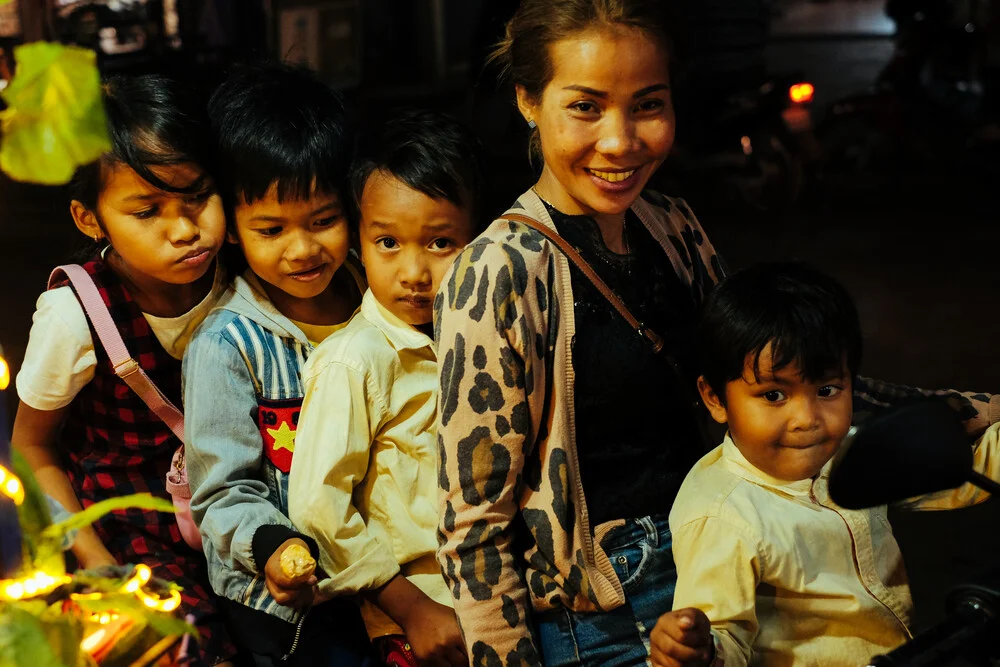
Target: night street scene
<point>857,137</point>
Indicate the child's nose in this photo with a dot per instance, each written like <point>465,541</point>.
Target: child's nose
<point>302,246</point>
<point>183,230</point>
<point>805,415</point>
<point>415,273</point>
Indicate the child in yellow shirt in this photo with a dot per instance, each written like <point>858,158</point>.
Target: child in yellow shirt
<point>769,569</point>
<point>364,479</point>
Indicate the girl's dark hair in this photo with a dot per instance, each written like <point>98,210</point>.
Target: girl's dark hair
<point>277,123</point>
<point>806,316</point>
<point>152,121</point>
<point>430,152</point>
<point>537,24</point>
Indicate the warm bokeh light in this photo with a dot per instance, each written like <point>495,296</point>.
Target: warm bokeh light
<point>11,486</point>
<point>801,93</point>
<point>4,374</point>
<point>38,583</point>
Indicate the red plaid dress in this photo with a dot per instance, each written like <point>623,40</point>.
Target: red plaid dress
<point>115,445</point>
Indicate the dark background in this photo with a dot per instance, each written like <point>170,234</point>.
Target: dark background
<point>918,256</point>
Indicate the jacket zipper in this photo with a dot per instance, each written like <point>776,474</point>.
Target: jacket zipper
<point>295,640</point>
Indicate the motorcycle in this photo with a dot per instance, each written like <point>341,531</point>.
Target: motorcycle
<point>926,448</point>
<point>746,151</point>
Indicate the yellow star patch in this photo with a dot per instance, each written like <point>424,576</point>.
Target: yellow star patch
<point>284,437</point>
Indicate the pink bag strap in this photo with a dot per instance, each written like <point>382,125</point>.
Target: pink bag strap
<point>125,366</point>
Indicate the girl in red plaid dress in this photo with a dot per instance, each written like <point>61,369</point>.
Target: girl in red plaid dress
<point>152,209</point>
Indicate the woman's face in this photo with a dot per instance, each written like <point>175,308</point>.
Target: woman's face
<point>605,120</point>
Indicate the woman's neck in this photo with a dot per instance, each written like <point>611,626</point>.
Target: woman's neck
<point>333,305</point>
<point>158,298</point>
<point>612,225</point>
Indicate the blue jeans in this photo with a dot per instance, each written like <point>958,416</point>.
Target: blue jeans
<point>640,553</point>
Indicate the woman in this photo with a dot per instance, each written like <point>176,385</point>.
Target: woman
<point>564,435</point>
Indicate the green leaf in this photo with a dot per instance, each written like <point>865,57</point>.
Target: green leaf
<point>24,641</point>
<point>33,513</point>
<point>164,623</point>
<point>55,119</point>
<point>88,516</point>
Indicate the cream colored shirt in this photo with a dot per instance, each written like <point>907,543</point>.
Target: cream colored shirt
<point>786,576</point>
<point>363,482</point>
<point>60,360</point>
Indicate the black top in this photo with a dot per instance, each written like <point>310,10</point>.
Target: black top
<point>635,437</point>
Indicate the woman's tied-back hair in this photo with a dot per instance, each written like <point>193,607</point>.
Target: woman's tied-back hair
<point>537,24</point>
<point>432,153</point>
<point>279,124</point>
<point>153,121</point>
<point>805,315</point>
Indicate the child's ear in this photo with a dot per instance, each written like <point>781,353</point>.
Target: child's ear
<point>712,401</point>
<point>85,220</point>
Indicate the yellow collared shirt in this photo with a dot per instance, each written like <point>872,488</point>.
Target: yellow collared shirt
<point>786,576</point>
<point>363,482</point>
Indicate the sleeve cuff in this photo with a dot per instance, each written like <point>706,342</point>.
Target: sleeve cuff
<point>718,654</point>
<point>267,539</point>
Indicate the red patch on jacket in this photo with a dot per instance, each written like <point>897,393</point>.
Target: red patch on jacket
<point>278,421</point>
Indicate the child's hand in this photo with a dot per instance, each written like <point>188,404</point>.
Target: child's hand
<point>289,591</point>
<point>682,637</point>
<point>433,633</point>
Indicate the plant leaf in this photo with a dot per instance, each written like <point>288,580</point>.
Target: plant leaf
<point>88,516</point>
<point>164,623</point>
<point>55,119</point>
<point>33,513</point>
<point>23,640</point>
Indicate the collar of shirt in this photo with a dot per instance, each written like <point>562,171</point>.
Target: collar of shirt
<point>401,335</point>
<point>739,465</point>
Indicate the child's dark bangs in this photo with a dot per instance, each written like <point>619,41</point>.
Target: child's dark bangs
<point>143,150</point>
<point>817,356</point>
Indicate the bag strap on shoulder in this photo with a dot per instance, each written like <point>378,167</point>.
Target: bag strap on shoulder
<point>125,366</point>
<point>592,276</point>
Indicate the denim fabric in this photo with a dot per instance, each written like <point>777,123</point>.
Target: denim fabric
<point>641,555</point>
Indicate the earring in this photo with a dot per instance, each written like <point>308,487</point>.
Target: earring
<point>532,124</point>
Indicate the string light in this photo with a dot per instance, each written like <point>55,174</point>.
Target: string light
<point>169,603</point>
<point>92,641</point>
<point>140,577</point>
<point>11,486</point>
<point>33,585</point>
<point>4,374</point>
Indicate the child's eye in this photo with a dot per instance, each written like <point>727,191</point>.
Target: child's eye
<point>202,196</point>
<point>269,231</point>
<point>773,396</point>
<point>829,391</point>
<point>442,244</point>
<point>146,213</point>
<point>386,243</point>
<point>326,222</point>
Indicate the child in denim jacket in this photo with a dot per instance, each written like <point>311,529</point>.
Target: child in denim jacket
<point>284,153</point>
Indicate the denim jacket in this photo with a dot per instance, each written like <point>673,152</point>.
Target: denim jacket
<point>242,397</point>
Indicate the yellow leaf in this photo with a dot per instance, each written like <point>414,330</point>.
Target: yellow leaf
<point>54,121</point>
